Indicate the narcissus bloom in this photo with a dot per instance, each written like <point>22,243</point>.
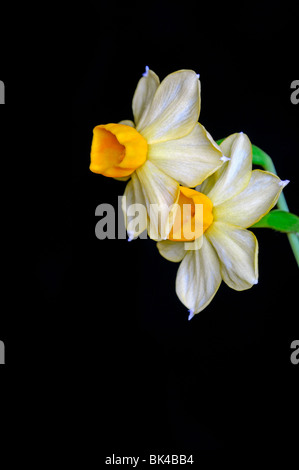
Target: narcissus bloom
<point>164,146</point>
<point>233,198</point>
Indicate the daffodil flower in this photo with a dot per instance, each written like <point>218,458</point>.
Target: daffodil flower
<point>164,146</point>
<point>233,198</point>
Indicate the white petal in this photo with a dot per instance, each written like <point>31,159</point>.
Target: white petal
<point>198,277</point>
<point>143,96</point>
<point>206,186</point>
<point>190,159</point>
<point>259,196</point>
<point>134,195</point>
<point>160,192</point>
<point>235,174</point>
<point>173,251</point>
<point>237,249</point>
<point>174,110</point>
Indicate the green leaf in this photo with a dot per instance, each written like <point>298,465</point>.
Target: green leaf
<point>279,220</point>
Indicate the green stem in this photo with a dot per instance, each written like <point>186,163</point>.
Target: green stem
<point>261,158</point>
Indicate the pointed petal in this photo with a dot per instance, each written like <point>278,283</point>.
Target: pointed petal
<point>173,251</point>
<point>174,110</point>
<point>250,205</point>
<point>190,159</point>
<point>143,95</point>
<point>133,195</point>
<point>237,250</point>
<point>235,174</point>
<point>160,193</point>
<point>198,277</point>
<point>206,186</point>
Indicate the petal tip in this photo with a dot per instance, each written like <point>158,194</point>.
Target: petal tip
<point>130,236</point>
<point>191,314</point>
<point>283,183</point>
<point>145,74</point>
<point>224,158</point>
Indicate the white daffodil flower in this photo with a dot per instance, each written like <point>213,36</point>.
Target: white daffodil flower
<point>233,199</point>
<point>164,146</point>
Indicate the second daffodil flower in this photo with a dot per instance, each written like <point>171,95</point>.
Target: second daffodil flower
<point>164,146</point>
<point>233,199</point>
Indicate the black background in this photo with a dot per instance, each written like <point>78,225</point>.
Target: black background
<point>144,379</point>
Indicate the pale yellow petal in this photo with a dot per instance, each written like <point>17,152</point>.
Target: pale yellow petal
<point>190,159</point>
<point>198,277</point>
<point>237,250</point>
<point>173,251</point>
<point>174,110</point>
<point>226,145</point>
<point>143,96</point>
<point>206,186</point>
<point>259,196</point>
<point>160,193</point>
<point>134,195</point>
<point>235,174</point>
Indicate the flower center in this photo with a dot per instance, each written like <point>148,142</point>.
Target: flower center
<point>117,150</point>
<point>193,217</point>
